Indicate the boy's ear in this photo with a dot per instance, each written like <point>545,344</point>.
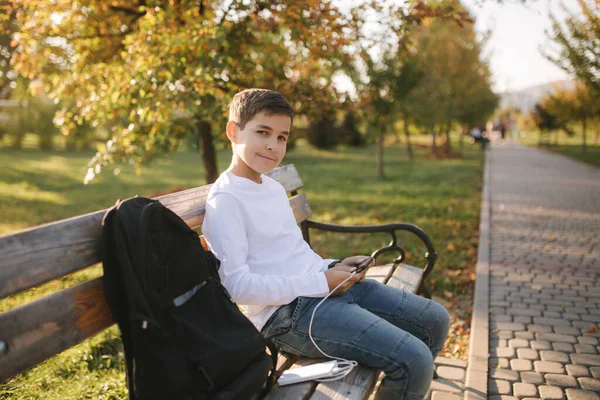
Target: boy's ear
<point>231,130</point>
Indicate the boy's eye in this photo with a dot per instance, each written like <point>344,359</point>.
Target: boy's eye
<point>283,138</point>
<point>261,132</point>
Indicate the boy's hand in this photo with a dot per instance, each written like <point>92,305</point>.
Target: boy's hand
<point>337,275</point>
<point>342,271</point>
<point>354,262</point>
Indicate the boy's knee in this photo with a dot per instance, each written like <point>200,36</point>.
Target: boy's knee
<point>442,320</point>
<point>418,363</point>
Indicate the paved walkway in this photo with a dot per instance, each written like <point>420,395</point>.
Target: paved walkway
<point>544,277</point>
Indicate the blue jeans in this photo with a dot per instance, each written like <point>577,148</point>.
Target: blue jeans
<point>376,325</point>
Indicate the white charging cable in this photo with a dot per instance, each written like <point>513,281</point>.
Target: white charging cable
<point>344,367</point>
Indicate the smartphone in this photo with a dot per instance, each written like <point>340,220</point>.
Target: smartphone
<point>364,265</point>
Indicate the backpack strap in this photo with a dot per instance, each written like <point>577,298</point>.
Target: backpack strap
<point>274,374</point>
<point>115,295</point>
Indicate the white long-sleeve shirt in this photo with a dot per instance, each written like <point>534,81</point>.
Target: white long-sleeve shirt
<point>265,262</point>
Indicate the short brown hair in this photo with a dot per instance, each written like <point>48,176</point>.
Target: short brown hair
<point>246,104</point>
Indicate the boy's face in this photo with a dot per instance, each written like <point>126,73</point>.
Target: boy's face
<point>260,146</point>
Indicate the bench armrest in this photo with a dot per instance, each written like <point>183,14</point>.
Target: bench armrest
<point>430,255</point>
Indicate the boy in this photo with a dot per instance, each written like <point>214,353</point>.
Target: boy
<point>269,269</point>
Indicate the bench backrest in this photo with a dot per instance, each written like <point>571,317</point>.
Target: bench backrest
<point>36,331</point>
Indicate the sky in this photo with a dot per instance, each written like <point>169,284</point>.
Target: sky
<point>518,35</point>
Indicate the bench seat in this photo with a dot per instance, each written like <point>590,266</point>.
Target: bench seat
<point>31,333</point>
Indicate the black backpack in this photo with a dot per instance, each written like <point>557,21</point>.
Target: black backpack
<point>183,336</point>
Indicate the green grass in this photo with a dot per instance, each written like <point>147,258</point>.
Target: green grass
<point>570,146</point>
<point>440,196</point>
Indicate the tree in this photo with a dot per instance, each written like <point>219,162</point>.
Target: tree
<point>579,105</point>
<point>455,83</point>
<point>578,43</point>
<point>348,131</point>
<point>388,76</point>
<point>155,72</point>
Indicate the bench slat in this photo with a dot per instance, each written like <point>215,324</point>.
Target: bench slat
<point>360,382</point>
<point>288,176</point>
<point>48,326</point>
<point>39,255</point>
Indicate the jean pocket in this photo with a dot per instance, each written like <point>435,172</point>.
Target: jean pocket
<point>281,321</point>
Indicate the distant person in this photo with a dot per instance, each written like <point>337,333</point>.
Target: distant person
<point>478,137</point>
<point>503,127</point>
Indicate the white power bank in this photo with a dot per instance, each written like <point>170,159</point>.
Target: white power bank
<point>308,373</point>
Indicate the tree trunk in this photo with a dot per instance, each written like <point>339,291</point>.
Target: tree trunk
<point>433,147</point>
<point>461,136</point>
<point>408,144</point>
<point>204,132</point>
<point>380,174</point>
<point>584,135</point>
<point>447,144</point>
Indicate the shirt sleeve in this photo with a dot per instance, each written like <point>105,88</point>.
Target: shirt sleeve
<point>225,231</point>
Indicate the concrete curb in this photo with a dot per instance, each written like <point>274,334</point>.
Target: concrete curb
<point>476,384</point>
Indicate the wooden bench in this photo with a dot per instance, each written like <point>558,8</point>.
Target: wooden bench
<point>36,331</point>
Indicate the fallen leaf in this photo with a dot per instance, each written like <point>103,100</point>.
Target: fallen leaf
<point>448,294</point>
<point>451,247</point>
<point>551,238</point>
<point>593,329</point>
<point>472,276</point>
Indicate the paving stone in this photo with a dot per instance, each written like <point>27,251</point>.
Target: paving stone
<point>521,365</point>
<point>502,397</point>
<point>451,362</point>
<point>503,352</point>
<point>548,367</point>
<point>496,362</point>
<point>551,393</point>
<point>584,324</point>
<point>522,320</point>
<point>496,386</point>
<point>506,334</point>
<point>525,312</point>
<point>595,372</point>
<point>576,394</point>
<point>498,343</point>
<point>551,321</point>
<point>504,374</point>
<point>496,318</point>
<point>591,318</point>
<point>540,345</point>
<point>590,384</point>
<point>508,326</point>
<point>525,335</point>
<point>539,328</point>
<point>527,354</point>
<point>588,340</point>
<point>564,347</point>
<point>532,377</point>
<point>555,337</point>
<point>521,390</point>
<point>577,370</point>
<point>554,356</point>
<point>567,330</point>
<point>586,359</point>
<point>445,385</point>
<point>451,373</point>
<point>585,348</point>
<point>563,381</point>
<point>518,343</point>
<point>444,396</point>
<point>552,314</point>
